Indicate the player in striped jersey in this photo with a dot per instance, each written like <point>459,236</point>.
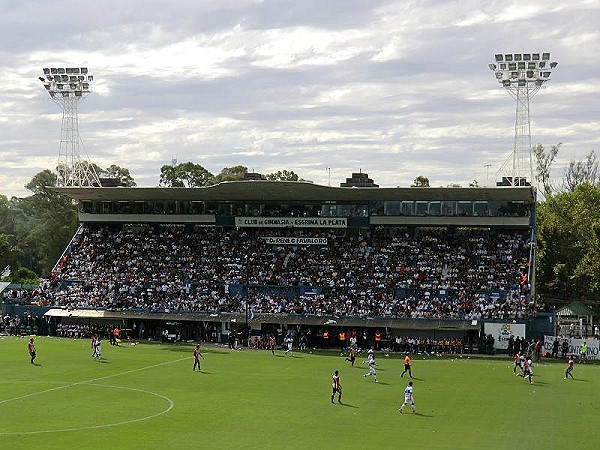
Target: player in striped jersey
<point>336,387</point>
<point>569,369</point>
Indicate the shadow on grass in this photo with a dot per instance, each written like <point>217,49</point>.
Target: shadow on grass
<point>347,405</point>
<point>412,379</point>
<point>190,348</point>
<point>179,349</point>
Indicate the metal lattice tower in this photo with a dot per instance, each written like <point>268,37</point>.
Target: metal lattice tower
<point>522,75</point>
<point>68,87</point>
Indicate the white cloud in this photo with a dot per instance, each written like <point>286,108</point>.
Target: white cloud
<point>395,88</point>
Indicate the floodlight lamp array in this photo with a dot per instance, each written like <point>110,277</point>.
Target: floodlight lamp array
<point>522,69</point>
<point>67,81</point>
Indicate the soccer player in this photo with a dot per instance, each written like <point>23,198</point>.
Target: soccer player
<point>336,387</point>
<point>371,362</point>
<point>584,349</point>
<point>197,355</point>
<point>96,344</point>
<point>522,362</point>
<point>272,344</point>
<point>406,366</point>
<point>92,340</point>
<point>517,364</point>
<point>351,355</point>
<point>408,398</point>
<point>569,370</point>
<point>290,342</point>
<point>31,349</point>
<point>528,370</point>
<point>116,334</point>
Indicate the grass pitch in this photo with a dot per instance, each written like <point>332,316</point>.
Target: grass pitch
<point>147,397</point>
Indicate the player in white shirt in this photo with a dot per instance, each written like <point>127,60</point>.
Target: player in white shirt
<point>408,398</point>
<point>522,361</point>
<point>528,370</point>
<point>290,342</point>
<point>371,362</point>
<point>96,344</point>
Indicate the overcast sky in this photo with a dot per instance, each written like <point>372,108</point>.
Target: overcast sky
<point>397,89</point>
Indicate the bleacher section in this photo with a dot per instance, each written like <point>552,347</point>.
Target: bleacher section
<point>451,273</point>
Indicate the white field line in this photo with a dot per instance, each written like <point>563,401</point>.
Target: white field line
<point>107,425</point>
<point>88,381</point>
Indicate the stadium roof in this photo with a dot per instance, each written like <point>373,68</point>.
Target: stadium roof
<point>293,191</point>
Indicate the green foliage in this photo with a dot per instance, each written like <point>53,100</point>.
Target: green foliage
<point>582,172</point>
<point>421,181</point>
<point>35,230</point>
<point>568,266</point>
<point>24,276</point>
<point>122,174</point>
<point>543,162</point>
<point>235,173</point>
<point>41,181</point>
<point>282,176</point>
<point>184,175</point>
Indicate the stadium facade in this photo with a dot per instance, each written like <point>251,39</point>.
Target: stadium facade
<point>304,215</point>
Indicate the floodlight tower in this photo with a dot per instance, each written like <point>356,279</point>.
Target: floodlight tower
<point>68,87</point>
<point>522,75</point>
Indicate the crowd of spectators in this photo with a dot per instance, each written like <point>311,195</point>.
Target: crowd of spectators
<point>79,330</point>
<point>428,273</point>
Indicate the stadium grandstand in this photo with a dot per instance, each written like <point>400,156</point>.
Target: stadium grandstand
<point>270,257</point>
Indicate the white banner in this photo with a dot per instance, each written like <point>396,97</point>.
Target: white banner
<point>593,346</point>
<point>285,222</point>
<point>282,240</point>
<point>501,332</point>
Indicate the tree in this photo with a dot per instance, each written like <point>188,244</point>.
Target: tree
<point>120,173</point>
<point>41,181</point>
<point>6,256</point>
<point>580,172</point>
<point>25,276</point>
<point>282,176</point>
<point>569,244</point>
<point>474,184</point>
<point>234,173</point>
<point>420,181</point>
<point>184,175</point>
<point>543,164</point>
<point>4,213</point>
<point>45,223</point>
